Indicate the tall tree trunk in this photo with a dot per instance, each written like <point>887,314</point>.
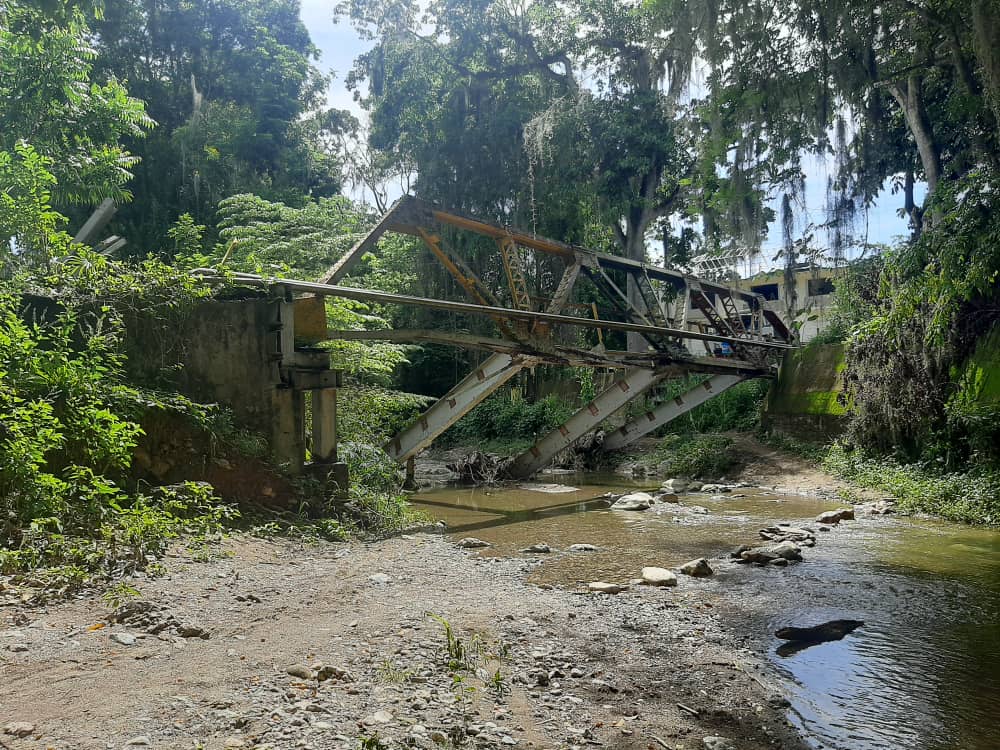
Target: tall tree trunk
<point>911,101</point>
<point>910,98</point>
<point>986,23</point>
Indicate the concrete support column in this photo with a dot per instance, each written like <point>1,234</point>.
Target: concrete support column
<point>288,445</point>
<point>410,483</point>
<point>324,425</point>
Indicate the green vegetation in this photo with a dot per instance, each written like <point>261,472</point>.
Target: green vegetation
<point>205,124</point>
<point>706,456</point>
<point>971,496</point>
<point>737,408</point>
<point>507,423</point>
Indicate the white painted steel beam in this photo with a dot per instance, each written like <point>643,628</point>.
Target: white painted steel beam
<point>455,404</point>
<point>633,384</point>
<point>670,409</point>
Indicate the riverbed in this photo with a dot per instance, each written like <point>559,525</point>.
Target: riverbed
<point>923,672</point>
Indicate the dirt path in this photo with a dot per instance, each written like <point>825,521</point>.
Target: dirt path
<point>645,669</point>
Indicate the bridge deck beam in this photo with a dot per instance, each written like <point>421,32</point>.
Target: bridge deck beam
<point>633,384</point>
<point>670,410</point>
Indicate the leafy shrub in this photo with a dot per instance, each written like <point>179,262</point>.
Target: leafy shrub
<point>376,497</point>
<point>735,409</point>
<point>972,497</point>
<point>370,414</point>
<point>701,456</point>
<point>69,425</point>
<point>505,420</point>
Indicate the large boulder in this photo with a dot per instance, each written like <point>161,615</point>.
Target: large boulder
<point>653,576</point>
<point>697,568</point>
<point>633,501</point>
<point>836,516</point>
<point>677,484</point>
<point>764,555</point>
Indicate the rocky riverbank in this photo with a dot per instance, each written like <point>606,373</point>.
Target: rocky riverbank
<point>408,642</point>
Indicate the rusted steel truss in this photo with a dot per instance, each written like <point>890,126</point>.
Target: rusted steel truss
<point>730,313</point>
<point>660,313</point>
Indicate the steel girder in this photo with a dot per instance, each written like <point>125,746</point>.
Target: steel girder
<point>633,384</point>
<point>459,401</point>
<point>669,410</point>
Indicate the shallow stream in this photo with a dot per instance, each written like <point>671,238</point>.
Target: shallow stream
<point>924,670</point>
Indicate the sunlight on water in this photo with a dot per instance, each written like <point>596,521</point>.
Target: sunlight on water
<point>924,670</point>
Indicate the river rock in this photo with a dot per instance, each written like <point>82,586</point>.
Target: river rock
<point>653,576</point>
<point>541,548</point>
<point>677,484</point>
<point>602,587</point>
<point>718,743</point>
<point>836,516</point>
<point>882,507</point>
<point>764,555</point>
<point>299,670</point>
<point>633,501</point>
<point>19,728</point>
<point>125,639</point>
<point>380,579</point>
<point>583,548</point>
<point>666,497</point>
<point>697,568</point>
<point>781,533</point>
<point>470,542</point>
<point>716,488</point>
<point>190,630</point>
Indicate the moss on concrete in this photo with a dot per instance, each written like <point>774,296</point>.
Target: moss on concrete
<point>810,382</point>
<point>979,378</point>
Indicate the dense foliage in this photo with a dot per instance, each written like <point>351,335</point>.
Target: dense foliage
<point>507,423</point>
<point>633,127</point>
<point>69,422</point>
<point>707,456</point>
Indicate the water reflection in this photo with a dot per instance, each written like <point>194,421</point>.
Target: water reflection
<point>923,672</point>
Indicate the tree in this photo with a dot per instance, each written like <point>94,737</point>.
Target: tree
<point>52,98</point>
<point>458,89</point>
<point>234,86</point>
<point>61,128</point>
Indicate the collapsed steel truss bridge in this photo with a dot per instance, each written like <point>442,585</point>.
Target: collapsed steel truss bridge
<point>740,336</point>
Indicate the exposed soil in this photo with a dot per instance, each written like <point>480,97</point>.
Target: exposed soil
<point>648,668</point>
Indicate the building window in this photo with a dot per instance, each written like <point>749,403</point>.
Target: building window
<point>769,291</point>
<point>819,287</point>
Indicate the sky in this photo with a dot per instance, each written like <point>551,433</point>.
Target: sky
<point>339,45</point>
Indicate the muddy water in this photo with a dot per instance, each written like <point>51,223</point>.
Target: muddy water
<point>924,670</point>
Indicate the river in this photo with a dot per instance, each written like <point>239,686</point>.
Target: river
<point>924,670</point>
